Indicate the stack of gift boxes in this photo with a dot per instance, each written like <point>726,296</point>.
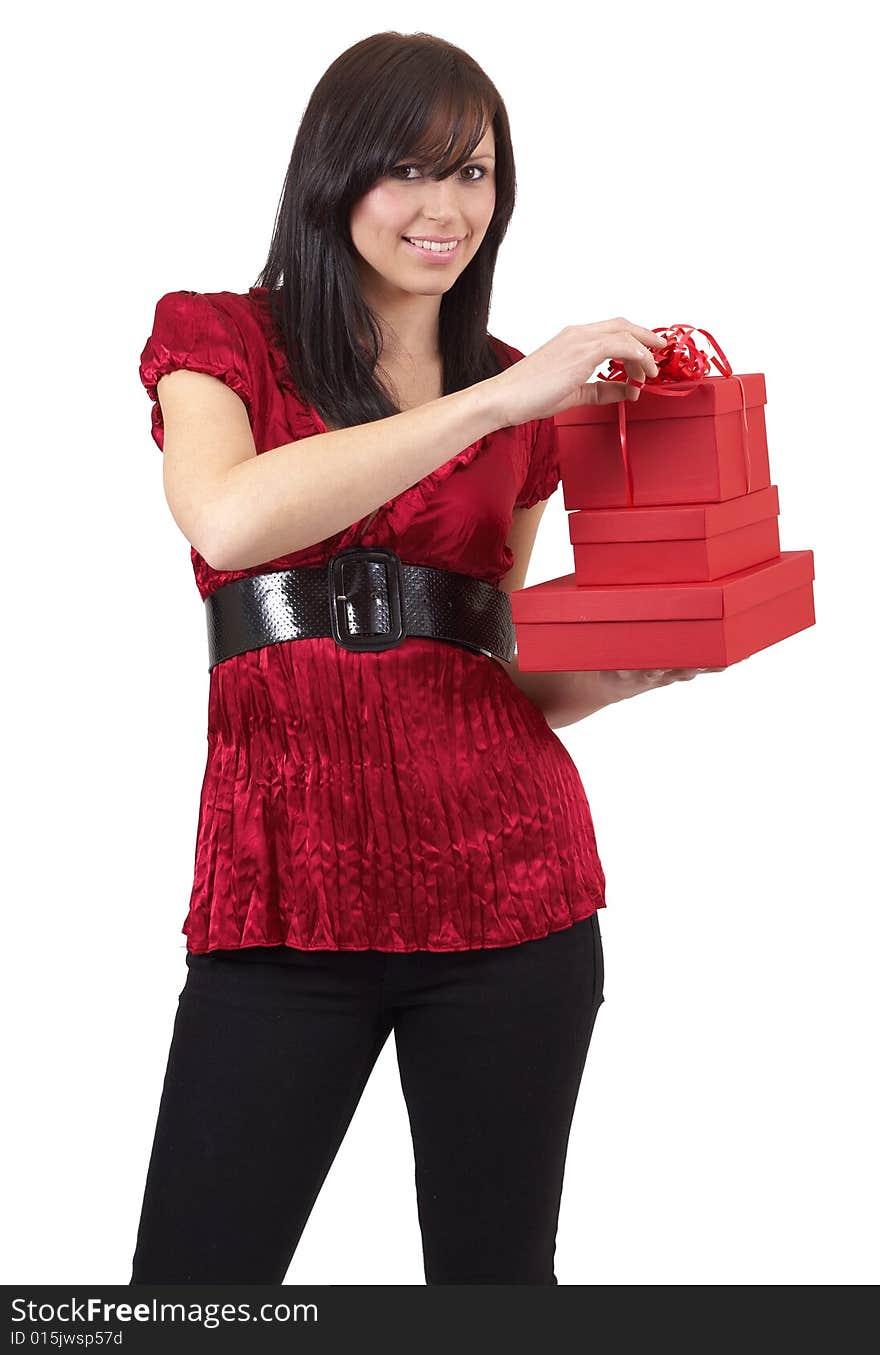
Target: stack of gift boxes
<point>675,532</point>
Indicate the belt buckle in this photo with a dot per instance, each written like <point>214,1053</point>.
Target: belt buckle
<point>366,640</point>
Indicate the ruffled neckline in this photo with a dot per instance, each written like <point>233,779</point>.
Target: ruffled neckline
<point>397,513</point>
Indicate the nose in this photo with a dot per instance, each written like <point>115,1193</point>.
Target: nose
<point>441,199</point>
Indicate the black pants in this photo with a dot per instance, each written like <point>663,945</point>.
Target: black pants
<point>270,1053</point>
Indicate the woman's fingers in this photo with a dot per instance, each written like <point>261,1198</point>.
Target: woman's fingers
<point>685,674</point>
<point>649,337</point>
<point>641,367</point>
<point>623,682</point>
<point>612,392</point>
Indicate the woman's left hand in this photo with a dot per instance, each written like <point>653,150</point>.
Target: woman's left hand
<point>625,682</point>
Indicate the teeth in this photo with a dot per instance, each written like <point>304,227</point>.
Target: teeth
<point>434,245</point>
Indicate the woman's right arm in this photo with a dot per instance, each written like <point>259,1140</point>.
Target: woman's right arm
<point>240,510</point>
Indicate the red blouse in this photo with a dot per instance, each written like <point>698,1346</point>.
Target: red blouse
<point>406,799</point>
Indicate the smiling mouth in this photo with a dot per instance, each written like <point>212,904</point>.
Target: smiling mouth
<point>436,250</point>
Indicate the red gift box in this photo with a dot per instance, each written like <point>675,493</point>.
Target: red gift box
<point>695,448</point>
<point>681,544</point>
<point>562,626</point>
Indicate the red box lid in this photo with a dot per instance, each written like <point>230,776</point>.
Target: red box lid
<point>563,599</point>
<point>714,395</point>
<point>673,522</point>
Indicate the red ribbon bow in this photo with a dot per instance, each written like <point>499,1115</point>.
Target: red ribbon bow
<point>683,366</point>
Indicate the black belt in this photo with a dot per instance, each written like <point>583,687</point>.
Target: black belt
<point>367,599</point>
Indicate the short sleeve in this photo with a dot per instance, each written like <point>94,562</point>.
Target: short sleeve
<point>543,474</point>
<point>191,333</point>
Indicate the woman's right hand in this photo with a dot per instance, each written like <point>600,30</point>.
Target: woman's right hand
<point>556,376</point>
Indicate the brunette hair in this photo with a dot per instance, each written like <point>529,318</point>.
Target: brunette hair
<point>388,97</point>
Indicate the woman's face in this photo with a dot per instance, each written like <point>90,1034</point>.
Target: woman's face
<point>406,202</point>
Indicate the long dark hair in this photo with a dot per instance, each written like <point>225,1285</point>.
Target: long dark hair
<point>390,96</point>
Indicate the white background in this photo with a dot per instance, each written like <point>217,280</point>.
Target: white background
<point>704,165</point>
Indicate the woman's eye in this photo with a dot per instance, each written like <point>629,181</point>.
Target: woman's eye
<point>464,168</point>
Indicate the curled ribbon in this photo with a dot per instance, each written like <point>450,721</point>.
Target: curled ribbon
<point>681,368</point>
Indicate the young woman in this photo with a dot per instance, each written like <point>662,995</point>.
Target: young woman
<point>391,836</point>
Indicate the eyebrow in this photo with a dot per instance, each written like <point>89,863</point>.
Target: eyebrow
<point>485,156</point>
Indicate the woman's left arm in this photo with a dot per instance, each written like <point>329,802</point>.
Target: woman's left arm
<point>565,698</point>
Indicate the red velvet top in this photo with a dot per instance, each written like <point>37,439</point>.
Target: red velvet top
<point>407,799</point>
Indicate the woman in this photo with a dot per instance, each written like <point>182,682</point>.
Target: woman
<point>391,835</point>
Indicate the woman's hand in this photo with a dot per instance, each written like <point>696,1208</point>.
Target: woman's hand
<point>621,683</point>
<point>557,375</point>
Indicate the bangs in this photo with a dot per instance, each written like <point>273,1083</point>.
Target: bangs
<point>451,136</point>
